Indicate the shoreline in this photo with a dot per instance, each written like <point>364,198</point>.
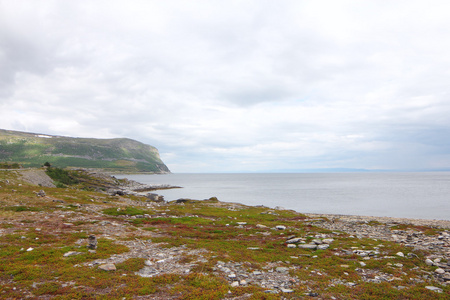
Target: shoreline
<point>385,220</point>
<point>38,177</point>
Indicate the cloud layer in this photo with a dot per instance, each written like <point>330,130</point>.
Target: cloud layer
<point>223,86</point>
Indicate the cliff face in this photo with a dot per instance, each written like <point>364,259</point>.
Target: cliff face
<point>122,155</point>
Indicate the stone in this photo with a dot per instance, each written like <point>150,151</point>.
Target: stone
<point>30,249</point>
<point>327,241</point>
<point>242,223</point>
<point>235,284</point>
<point>323,247</point>
<point>439,271</point>
<point>400,254</point>
<point>428,262</point>
<point>261,226</point>
<point>157,198</point>
<point>286,290</point>
<point>280,227</point>
<point>182,200</point>
<point>107,267</point>
<point>283,270</point>
<point>317,242</point>
<point>294,240</point>
<point>41,193</point>
<point>308,246</point>
<point>362,264</point>
<point>71,253</point>
<point>434,289</point>
<point>291,245</point>
<point>92,242</point>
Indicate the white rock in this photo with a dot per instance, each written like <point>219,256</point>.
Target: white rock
<point>327,241</point>
<point>433,288</point>
<point>308,246</point>
<point>362,264</point>
<point>235,284</point>
<point>428,262</point>
<point>323,247</point>
<point>400,254</point>
<point>280,227</point>
<point>291,245</point>
<point>261,226</point>
<point>71,253</point>
<point>439,271</point>
<point>30,249</point>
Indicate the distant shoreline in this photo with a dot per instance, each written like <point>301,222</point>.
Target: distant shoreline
<point>385,220</point>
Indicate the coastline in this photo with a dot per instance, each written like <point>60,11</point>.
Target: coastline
<point>102,228</point>
<point>384,220</point>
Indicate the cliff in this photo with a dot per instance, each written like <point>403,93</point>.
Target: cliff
<point>121,154</point>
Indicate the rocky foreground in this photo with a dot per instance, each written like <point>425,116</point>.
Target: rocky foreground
<point>113,240</point>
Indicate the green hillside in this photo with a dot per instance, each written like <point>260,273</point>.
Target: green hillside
<point>122,155</point>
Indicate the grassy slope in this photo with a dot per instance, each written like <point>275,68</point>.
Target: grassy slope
<point>31,150</point>
<point>55,224</point>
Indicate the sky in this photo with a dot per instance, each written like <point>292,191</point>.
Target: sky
<point>236,86</point>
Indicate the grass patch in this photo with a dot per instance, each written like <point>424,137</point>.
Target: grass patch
<point>21,208</point>
<point>129,211</point>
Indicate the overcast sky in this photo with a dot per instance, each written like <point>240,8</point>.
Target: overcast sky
<point>232,86</point>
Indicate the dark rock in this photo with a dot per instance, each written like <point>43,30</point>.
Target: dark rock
<point>117,193</point>
<point>182,200</point>
<point>92,242</point>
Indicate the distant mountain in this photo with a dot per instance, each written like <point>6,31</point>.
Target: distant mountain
<point>121,155</point>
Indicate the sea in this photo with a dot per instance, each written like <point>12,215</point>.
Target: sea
<point>421,195</point>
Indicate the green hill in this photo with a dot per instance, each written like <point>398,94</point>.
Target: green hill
<point>121,155</point>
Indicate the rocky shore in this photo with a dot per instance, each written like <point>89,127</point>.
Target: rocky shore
<point>233,251</point>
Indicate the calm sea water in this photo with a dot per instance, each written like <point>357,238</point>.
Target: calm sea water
<point>409,195</point>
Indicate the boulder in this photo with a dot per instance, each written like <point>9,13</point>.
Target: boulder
<point>107,267</point>
<point>155,197</point>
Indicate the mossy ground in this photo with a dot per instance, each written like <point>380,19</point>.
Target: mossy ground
<point>62,221</point>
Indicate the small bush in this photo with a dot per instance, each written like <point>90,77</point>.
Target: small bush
<point>61,177</point>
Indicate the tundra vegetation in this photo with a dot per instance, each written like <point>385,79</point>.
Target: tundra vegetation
<point>44,253</point>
